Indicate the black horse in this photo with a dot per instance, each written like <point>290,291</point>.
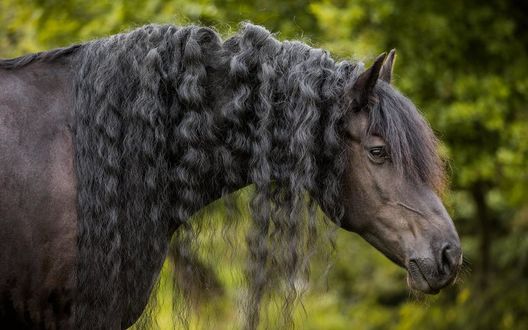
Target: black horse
<point>107,148</point>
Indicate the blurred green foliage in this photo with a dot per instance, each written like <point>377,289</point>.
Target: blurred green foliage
<point>463,62</point>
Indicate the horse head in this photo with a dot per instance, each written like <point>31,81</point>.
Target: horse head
<point>392,181</point>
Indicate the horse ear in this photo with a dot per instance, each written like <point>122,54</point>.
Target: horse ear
<point>386,69</point>
<point>366,81</point>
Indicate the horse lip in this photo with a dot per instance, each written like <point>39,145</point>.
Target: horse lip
<point>423,277</point>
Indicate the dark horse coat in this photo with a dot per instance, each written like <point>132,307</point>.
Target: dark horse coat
<point>38,197</point>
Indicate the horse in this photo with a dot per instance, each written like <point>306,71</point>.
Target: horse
<point>109,147</point>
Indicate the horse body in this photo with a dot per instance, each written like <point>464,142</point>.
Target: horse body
<point>38,202</point>
<point>109,147</point>
<point>37,193</point>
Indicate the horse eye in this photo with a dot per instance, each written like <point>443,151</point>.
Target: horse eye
<point>378,154</point>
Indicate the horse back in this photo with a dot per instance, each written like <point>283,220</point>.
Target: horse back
<point>37,195</point>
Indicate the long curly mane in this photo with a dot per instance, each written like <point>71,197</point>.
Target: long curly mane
<point>169,119</point>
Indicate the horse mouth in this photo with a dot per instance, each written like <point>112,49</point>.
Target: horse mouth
<point>417,280</point>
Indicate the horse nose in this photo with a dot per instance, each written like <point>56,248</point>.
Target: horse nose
<point>450,258</point>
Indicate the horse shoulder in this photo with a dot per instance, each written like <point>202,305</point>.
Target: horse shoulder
<point>37,193</point>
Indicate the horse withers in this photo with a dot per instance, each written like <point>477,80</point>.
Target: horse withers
<point>109,147</point>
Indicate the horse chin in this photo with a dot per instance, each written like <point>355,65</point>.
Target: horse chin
<point>417,281</point>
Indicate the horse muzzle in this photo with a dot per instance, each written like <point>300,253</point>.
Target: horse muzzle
<point>429,275</point>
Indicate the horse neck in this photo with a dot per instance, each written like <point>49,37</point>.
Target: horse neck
<point>210,185</point>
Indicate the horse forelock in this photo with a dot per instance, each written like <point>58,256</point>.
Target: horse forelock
<point>413,146</point>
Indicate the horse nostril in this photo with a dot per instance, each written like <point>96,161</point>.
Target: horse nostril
<point>449,258</point>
